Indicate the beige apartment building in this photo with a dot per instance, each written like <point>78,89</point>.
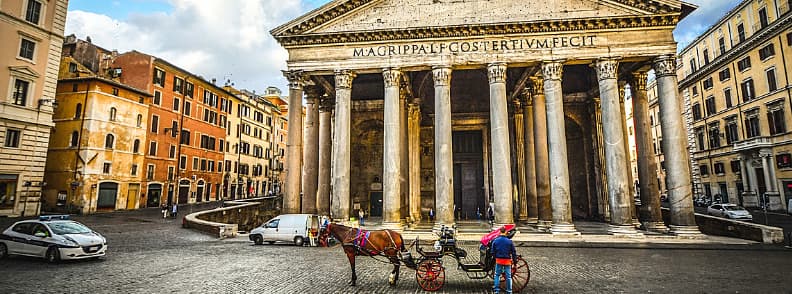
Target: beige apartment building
<point>32,34</point>
<point>278,143</point>
<point>736,79</point>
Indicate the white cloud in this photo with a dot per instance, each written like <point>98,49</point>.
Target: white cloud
<point>708,12</point>
<point>215,39</point>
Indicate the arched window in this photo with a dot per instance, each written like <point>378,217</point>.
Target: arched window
<point>75,136</point>
<point>78,110</point>
<point>136,146</point>
<point>139,120</point>
<point>112,113</point>
<point>109,141</point>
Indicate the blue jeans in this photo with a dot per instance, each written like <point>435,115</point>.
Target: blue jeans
<point>506,270</point>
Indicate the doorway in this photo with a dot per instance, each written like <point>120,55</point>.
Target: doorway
<point>184,192</point>
<point>153,197</point>
<point>107,196</point>
<point>132,196</point>
<point>376,203</point>
<point>468,174</point>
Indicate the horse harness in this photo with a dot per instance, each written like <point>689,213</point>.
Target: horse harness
<point>362,239</point>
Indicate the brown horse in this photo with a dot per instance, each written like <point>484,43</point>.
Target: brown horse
<point>356,242</point>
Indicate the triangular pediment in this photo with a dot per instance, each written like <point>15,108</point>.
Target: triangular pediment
<point>23,71</point>
<point>346,16</point>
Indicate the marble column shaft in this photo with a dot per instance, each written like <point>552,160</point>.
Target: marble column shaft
<point>391,175</point>
<point>519,139</point>
<point>341,146</point>
<point>501,149</point>
<point>291,200</point>
<point>444,160</point>
<point>325,143</point>
<point>678,179</point>
<point>744,173</point>
<point>627,159</point>
<point>310,180</point>
<point>766,170</point>
<point>404,176</point>
<point>542,163</point>
<point>530,159</point>
<point>414,154</point>
<point>651,215</point>
<point>556,141</point>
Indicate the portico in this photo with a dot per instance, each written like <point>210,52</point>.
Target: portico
<point>504,104</point>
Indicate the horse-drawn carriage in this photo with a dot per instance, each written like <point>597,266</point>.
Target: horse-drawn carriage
<point>428,264</point>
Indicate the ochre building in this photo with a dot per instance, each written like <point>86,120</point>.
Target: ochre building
<point>455,107</point>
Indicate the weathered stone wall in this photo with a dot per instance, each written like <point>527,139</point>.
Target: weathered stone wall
<point>367,152</point>
<point>234,218</point>
<point>711,225</point>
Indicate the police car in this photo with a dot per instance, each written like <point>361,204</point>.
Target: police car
<point>54,238</point>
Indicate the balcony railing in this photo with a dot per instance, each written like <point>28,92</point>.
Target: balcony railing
<point>753,143</point>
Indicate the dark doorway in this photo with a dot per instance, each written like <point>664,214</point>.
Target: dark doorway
<point>107,196</point>
<point>376,203</point>
<point>577,157</point>
<point>184,191</point>
<point>468,174</point>
<point>760,181</point>
<point>154,193</point>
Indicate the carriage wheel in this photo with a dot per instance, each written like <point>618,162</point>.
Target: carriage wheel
<point>521,275</point>
<point>430,275</point>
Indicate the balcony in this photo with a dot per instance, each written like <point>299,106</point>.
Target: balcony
<point>753,143</point>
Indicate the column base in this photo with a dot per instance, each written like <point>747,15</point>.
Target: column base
<point>532,221</point>
<point>656,227</point>
<point>691,232</point>
<point>564,230</point>
<point>544,225</point>
<point>624,231</point>
<point>395,226</point>
<point>636,223</point>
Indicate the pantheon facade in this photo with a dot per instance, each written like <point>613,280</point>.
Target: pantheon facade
<point>454,107</point>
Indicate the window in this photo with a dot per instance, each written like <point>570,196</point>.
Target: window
<point>170,173</point>
<point>732,134</point>
<point>106,168</point>
<point>714,136</point>
<point>735,166</point>
<point>706,56</point>
<point>78,111</point>
<point>185,137</point>
<point>150,172</point>
<point>697,111</point>
<point>708,83</point>
<point>693,65</point>
<point>189,89</point>
<point>695,90</point>
<point>153,148</point>
<point>20,95</point>
<point>136,146</point>
<point>744,63</point>
<point>109,141</point>
<point>772,85</point>
<point>115,91</point>
<point>178,85</point>
<point>752,124</point>
<point>763,17</point>
<point>154,123</point>
<point>159,78</point>
<point>704,170</point>
<point>157,98</point>
<point>721,45</point>
<point>784,160</point>
<point>203,165</point>
<point>719,168</point>
<point>187,108</point>
<point>219,166</point>
<point>75,139</point>
<point>176,103</point>
<point>741,32</point>
<point>183,162</point>
<point>767,52</point>
<point>724,74</point>
<point>139,121</point>
<point>113,112</point>
<point>195,163</point>
<point>33,11</point>
<point>172,152</point>
<point>710,104</point>
<point>747,88</point>
<point>728,98</point>
<point>27,49</point>
<point>699,139</point>
<point>12,138</point>
<point>134,170</point>
<point>8,184</point>
<point>73,69</point>
<point>775,118</point>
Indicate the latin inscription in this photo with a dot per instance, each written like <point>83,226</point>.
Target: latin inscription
<point>476,46</point>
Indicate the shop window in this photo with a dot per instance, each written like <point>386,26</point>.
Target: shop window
<point>784,160</point>
<point>8,188</point>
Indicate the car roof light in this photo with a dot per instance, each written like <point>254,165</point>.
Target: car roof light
<point>54,217</point>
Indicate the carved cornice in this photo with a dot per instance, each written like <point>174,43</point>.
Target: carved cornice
<point>665,66</point>
<point>344,78</point>
<point>496,72</point>
<point>638,80</point>
<point>392,77</point>
<point>553,70</point>
<point>468,31</point>
<point>296,78</point>
<point>441,75</point>
<point>606,69</point>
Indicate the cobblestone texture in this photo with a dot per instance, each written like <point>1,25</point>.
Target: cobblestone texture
<point>151,255</point>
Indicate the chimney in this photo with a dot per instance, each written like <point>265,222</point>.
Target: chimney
<point>214,81</point>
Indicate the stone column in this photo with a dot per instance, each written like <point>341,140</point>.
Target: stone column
<point>341,145</point>
<point>744,172</point>
<point>556,142</point>
<point>405,163</point>
<point>414,142</point>
<point>310,180</point>
<point>530,160</point>
<point>444,160</point>
<point>542,163</point>
<point>519,140</point>
<point>291,199</point>
<point>391,167</point>
<point>753,178</point>
<point>765,154</point>
<point>323,194</point>
<point>651,215</point>
<point>627,159</point>
<point>501,149</point>
<point>680,193</point>
<point>615,164</point>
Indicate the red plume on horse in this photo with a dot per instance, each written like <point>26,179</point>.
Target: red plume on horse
<point>355,241</point>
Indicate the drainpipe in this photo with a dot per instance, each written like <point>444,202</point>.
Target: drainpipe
<point>79,138</point>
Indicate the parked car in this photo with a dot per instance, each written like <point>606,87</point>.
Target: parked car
<point>53,238</point>
<point>293,228</point>
<point>731,211</point>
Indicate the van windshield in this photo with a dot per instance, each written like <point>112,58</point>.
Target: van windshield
<point>272,224</point>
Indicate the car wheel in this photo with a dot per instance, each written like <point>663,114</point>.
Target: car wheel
<point>3,251</point>
<point>53,255</point>
<point>299,241</point>
<point>258,240</point>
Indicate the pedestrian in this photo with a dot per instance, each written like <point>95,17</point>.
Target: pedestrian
<point>164,210</point>
<point>174,210</point>
<point>491,215</point>
<point>505,254</point>
<point>478,214</point>
<point>361,214</point>
<point>431,214</point>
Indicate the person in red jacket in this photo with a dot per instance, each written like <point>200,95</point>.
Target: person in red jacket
<point>505,254</point>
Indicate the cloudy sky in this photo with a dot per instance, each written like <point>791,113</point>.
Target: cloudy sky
<point>229,39</point>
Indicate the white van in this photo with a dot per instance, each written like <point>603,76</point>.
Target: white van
<point>287,228</point>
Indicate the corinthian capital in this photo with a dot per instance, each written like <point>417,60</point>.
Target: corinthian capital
<point>343,78</point>
<point>441,75</point>
<point>496,73</point>
<point>326,104</point>
<point>537,85</point>
<point>606,69</point>
<point>553,70</point>
<point>638,80</point>
<point>312,94</point>
<point>665,66</point>
<point>392,77</point>
<point>296,78</point>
